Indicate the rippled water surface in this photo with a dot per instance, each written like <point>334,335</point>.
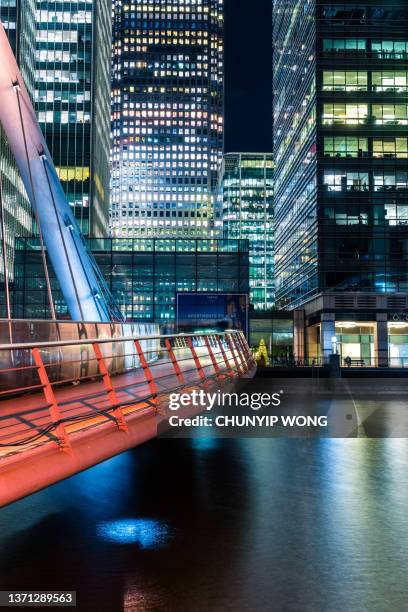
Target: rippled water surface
<point>222,524</point>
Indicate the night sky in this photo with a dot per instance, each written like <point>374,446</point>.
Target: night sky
<point>248,75</point>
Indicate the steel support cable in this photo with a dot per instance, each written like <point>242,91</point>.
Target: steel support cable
<point>5,267</point>
<point>96,301</point>
<point>84,417</point>
<point>112,306</point>
<point>95,268</point>
<point>44,160</point>
<point>43,257</point>
<point>4,252</point>
<point>78,418</point>
<point>51,426</point>
<point>42,432</point>
<point>43,157</point>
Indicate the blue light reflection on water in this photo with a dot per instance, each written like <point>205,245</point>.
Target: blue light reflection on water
<point>110,482</point>
<point>204,444</point>
<point>146,533</point>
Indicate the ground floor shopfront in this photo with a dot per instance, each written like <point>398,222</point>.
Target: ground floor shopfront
<point>364,329</point>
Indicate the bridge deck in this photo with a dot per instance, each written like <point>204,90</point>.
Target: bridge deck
<point>60,427</point>
<point>24,420</point>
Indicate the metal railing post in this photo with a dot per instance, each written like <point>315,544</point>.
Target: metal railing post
<point>230,371</point>
<point>148,374</point>
<point>212,357</point>
<point>235,358</point>
<point>174,361</point>
<point>245,348</point>
<point>240,351</point>
<point>63,441</point>
<point>110,390</point>
<point>196,359</point>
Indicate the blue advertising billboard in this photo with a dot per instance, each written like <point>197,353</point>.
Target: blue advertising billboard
<point>212,311</point>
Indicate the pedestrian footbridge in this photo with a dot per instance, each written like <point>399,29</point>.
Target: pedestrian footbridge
<point>66,405</point>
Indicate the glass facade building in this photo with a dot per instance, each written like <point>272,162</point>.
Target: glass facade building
<point>341,158</point>
<point>246,202</point>
<point>73,102</point>
<point>167,116</point>
<point>143,275</point>
<point>275,328</point>
<point>19,23</point>
<point>341,134</point>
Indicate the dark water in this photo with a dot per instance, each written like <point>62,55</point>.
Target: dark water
<point>223,524</point>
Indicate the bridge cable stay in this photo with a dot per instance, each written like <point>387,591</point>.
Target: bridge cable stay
<point>43,157</point>
<point>113,308</point>
<point>4,252</point>
<point>34,208</point>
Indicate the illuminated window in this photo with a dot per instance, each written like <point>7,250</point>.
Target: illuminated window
<point>385,49</point>
<point>73,174</point>
<point>390,147</point>
<point>348,114</point>
<point>396,214</point>
<point>57,36</point>
<point>390,180</point>
<point>337,80</point>
<point>345,146</point>
<point>390,81</point>
<point>390,114</point>
<point>345,180</point>
<point>344,45</point>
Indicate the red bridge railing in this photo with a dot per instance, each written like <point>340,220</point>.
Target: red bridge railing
<point>49,391</point>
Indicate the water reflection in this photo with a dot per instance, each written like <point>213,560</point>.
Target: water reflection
<point>204,443</point>
<point>317,525</point>
<point>146,533</point>
<point>110,483</point>
<point>140,595</point>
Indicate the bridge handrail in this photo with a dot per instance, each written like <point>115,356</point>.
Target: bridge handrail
<point>66,362</point>
<point>58,343</point>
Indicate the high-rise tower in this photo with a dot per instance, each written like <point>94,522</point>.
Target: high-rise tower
<point>246,192</point>
<point>167,116</point>
<point>341,174</point>
<point>19,23</point>
<point>73,102</point>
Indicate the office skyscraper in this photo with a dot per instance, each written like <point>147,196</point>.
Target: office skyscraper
<point>19,23</point>
<point>167,116</point>
<point>246,193</point>
<point>73,102</point>
<point>341,174</point>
